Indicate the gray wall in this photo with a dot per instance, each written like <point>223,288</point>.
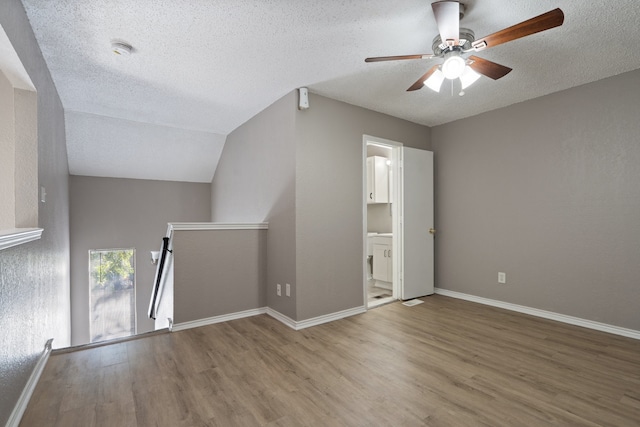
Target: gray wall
<point>7,154</point>
<point>34,278</point>
<point>111,213</point>
<point>329,186</point>
<point>26,152</point>
<point>254,182</point>
<point>218,272</point>
<point>547,191</point>
<point>379,218</point>
<point>301,171</point>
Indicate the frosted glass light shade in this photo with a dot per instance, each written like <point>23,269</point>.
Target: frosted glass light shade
<point>434,82</point>
<point>453,67</point>
<point>468,77</point>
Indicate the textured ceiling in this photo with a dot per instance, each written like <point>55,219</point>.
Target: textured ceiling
<point>202,68</point>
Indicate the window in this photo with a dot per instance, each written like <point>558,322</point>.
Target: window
<point>112,299</point>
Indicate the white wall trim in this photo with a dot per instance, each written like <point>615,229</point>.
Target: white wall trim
<point>217,319</point>
<point>179,226</point>
<point>314,321</point>
<point>282,318</point>
<point>23,400</point>
<point>590,324</point>
<point>330,317</point>
<point>18,236</point>
<point>273,313</point>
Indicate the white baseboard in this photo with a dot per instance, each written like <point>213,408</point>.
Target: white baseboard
<point>282,318</point>
<point>23,401</point>
<point>603,327</point>
<point>273,313</point>
<point>217,319</point>
<point>314,321</point>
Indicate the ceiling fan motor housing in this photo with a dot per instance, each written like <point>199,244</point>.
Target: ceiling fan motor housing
<point>467,37</point>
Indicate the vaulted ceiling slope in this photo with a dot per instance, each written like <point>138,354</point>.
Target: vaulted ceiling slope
<point>200,68</point>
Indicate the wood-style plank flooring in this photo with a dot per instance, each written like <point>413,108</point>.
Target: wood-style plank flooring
<point>446,362</point>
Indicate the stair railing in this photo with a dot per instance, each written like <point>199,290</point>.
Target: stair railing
<point>155,294</point>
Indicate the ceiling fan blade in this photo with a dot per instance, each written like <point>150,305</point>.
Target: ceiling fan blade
<point>546,21</point>
<point>419,84</point>
<point>447,14</point>
<point>488,68</point>
<point>396,58</point>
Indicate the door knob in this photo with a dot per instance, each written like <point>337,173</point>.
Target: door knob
<point>432,231</point>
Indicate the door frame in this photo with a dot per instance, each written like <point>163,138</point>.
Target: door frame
<point>396,188</point>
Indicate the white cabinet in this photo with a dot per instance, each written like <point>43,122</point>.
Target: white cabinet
<point>377,180</point>
<point>382,261</point>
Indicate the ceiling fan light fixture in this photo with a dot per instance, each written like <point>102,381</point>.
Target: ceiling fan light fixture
<point>468,77</point>
<point>453,66</point>
<point>453,42</point>
<point>434,82</point>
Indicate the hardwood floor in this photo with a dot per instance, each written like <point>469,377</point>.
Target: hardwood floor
<point>446,362</point>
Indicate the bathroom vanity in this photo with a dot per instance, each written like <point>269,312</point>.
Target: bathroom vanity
<point>382,245</point>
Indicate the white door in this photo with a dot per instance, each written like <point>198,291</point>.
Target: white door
<point>417,220</point>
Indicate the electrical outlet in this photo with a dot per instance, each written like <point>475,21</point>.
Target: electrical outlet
<point>279,290</point>
<point>287,290</point>
<point>502,277</point>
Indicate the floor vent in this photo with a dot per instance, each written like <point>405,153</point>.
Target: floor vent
<point>412,302</point>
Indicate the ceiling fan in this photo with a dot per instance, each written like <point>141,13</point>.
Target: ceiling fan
<point>453,43</point>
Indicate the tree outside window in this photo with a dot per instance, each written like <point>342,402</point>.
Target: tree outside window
<point>112,293</point>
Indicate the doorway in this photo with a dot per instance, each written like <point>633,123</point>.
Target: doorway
<point>112,301</point>
<point>380,218</point>
<point>398,222</point>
